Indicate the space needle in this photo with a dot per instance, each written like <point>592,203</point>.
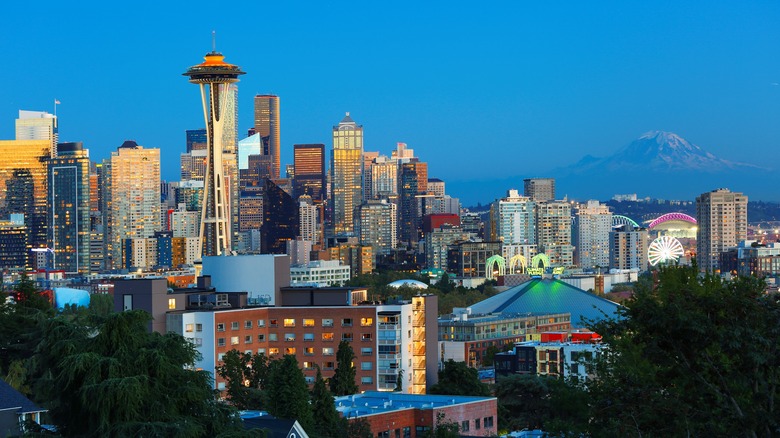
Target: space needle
<point>214,75</point>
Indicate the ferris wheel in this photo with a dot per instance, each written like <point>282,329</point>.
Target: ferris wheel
<point>664,249</point>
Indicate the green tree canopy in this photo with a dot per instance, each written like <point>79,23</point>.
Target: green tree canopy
<point>288,396</point>
<point>457,378</point>
<point>343,380</point>
<point>328,423</point>
<point>245,376</point>
<point>695,356</point>
<point>120,380</point>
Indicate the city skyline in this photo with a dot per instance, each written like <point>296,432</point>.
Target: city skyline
<point>522,79</point>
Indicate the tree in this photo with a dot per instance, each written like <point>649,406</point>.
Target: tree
<point>328,423</point>
<point>359,428</point>
<point>244,374</point>
<point>118,379</point>
<point>399,381</point>
<point>444,428</point>
<point>457,378</point>
<point>343,380</point>
<point>288,397</point>
<point>445,284</point>
<point>21,323</point>
<point>693,356</point>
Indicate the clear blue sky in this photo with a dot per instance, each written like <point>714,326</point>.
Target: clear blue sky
<point>479,90</point>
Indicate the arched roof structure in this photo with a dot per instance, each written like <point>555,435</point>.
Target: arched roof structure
<point>672,217</point>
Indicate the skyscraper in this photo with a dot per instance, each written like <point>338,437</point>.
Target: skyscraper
<point>346,174</point>
<point>267,125</point>
<point>134,196</point>
<point>69,208</point>
<point>539,189</point>
<point>592,225</point>
<point>512,220</point>
<point>215,77</point>
<point>17,158</point>
<point>196,139</point>
<point>376,226</point>
<point>37,125</point>
<point>309,161</point>
<point>628,248</point>
<point>553,232</point>
<point>722,223</point>
<point>280,219</point>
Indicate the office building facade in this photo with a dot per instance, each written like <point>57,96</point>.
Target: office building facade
<point>346,175</point>
<point>268,126</point>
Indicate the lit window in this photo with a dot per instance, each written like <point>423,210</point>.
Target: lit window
<point>308,322</point>
<point>234,340</point>
<point>273,322</point>
<point>308,365</point>
<point>366,337</point>
<point>221,386</point>
<point>346,337</point>
<point>289,350</point>
<point>327,351</point>
<point>273,351</point>
<point>171,303</point>
<point>309,351</point>
<point>289,336</point>
<point>220,356</point>
<point>327,336</point>
<point>289,322</point>
<point>366,322</point>
<point>309,380</point>
<point>189,328</point>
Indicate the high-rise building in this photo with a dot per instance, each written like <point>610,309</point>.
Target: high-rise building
<point>196,140</point>
<point>267,125</point>
<point>280,219</point>
<point>628,248</point>
<point>218,219</point>
<point>14,248</point>
<point>369,158</point>
<point>384,177</point>
<point>37,125</point>
<point>512,220</point>
<point>69,208</point>
<point>134,196</point>
<point>193,165</point>
<point>346,175</point>
<point>23,162</point>
<point>408,191</point>
<point>438,242</point>
<point>722,223</point>
<point>592,225</point>
<point>376,226</point>
<point>308,218</point>
<point>553,232</point>
<point>252,145</point>
<point>539,189</point>
<point>309,162</point>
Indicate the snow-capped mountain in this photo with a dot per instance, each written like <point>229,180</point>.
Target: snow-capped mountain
<point>659,151</point>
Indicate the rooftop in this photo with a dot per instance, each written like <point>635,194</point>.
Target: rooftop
<point>374,402</point>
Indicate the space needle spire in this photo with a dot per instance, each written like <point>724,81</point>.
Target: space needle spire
<point>214,76</point>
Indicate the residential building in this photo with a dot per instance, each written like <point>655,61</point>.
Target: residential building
<point>438,242</point>
<point>360,258</point>
<point>553,232</point>
<point>320,272</point>
<point>722,223</point>
<point>468,259</point>
<point>376,226</point>
<point>592,225</point>
<point>628,248</point>
<point>69,208</point>
<point>539,189</point>
<point>512,220</point>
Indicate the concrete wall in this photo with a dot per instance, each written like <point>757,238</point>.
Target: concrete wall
<point>258,275</point>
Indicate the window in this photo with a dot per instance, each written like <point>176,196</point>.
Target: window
<point>366,337</point>
<point>198,342</point>
<point>308,322</point>
<point>221,327</point>
<point>220,356</point>
<point>346,337</point>
<point>308,351</point>
<point>327,366</point>
<point>234,340</point>
<point>328,336</point>
<point>273,351</point>
<point>366,351</point>
<point>189,328</point>
<point>289,336</point>
<point>487,421</point>
<point>309,380</point>
<point>261,351</point>
<point>464,426</point>
<point>234,325</point>
<point>346,322</point>
<point>171,303</point>
<point>308,365</point>
<point>198,327</point>
<point>289,322</point>
<point>273,322</point>
<point>260,338</point>
<point>366,322</point>
<point>248,339</point>
<point>366,366</point>
<point>327,322</point>
<point>368,380</point>
<point>289,350</point>
<point>221,386</point>
<point>327,351</point>
<point>221,342</point>
<point>247,324</point>
<point>308,337</point>
<point>261,323</point>
<point>272,337</point>
<point>476,423</point>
